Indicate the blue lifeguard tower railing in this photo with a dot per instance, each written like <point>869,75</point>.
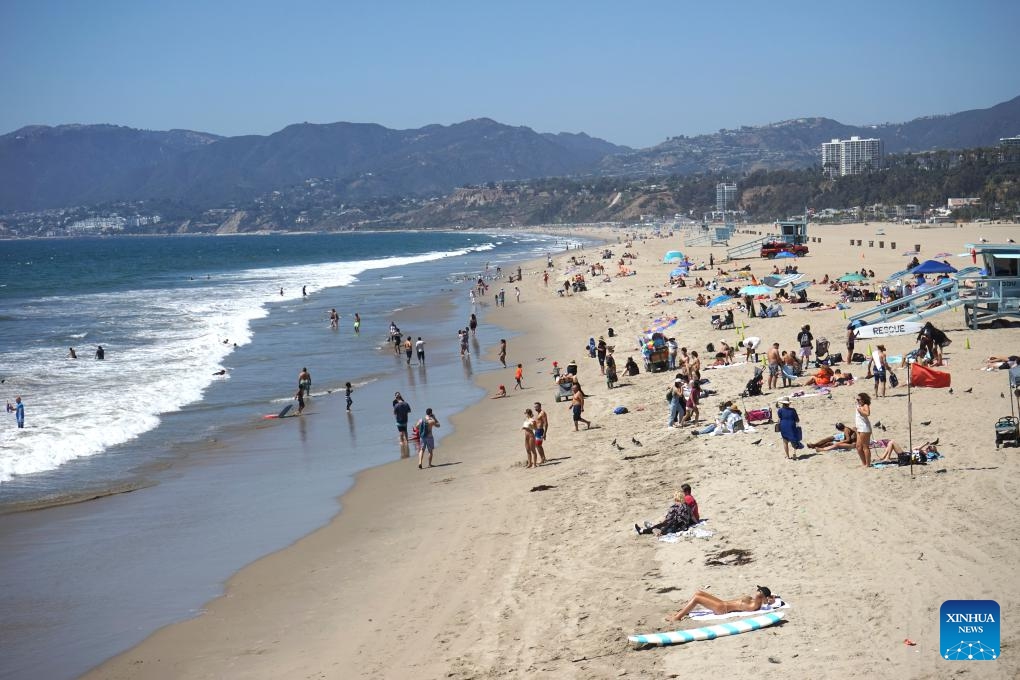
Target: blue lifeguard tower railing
<point>986,293</point>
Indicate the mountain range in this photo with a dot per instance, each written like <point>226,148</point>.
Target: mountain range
<point>45,167</point>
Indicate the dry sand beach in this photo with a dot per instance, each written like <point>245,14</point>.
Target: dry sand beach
<point>481,568</point>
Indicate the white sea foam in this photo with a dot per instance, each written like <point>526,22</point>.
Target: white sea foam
<point>170,342</point>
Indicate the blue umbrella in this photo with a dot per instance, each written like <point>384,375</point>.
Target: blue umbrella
<point>673,256</point>
<point>786,254</point>
<point>719,300</point>
<point>933,267</point>
<point>679,271</point>
<point>755,290</point>
<point>800,286</point>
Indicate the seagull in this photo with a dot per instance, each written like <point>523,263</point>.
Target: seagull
<point>950,390</point>
<point>969,390</point>
<point>926,422</point>
<point>635,441</point>
<point>878,423</point>
<point>755,443</point>
<point>618,447</point>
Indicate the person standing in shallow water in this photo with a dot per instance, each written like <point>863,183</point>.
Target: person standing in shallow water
<point>100,353</point>
<point>347,393</point>
<point>419,347</point>
<point>357,323</point>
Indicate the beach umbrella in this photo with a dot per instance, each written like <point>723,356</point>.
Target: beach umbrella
<point>932,267</point>
<point>938,255</point>
<point>719,300</point>
<point>679,271</point>
<point>852,277</point>
<point>672,256</point>
<point>800,286</point>
<point>785,255</point>
<point>755,290</point>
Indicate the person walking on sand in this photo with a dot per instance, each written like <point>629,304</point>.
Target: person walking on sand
<point>541,431</point>
<point>677,403</point>
<point>529,439</point>
<point>804,340</point>
<point>717,605</point>
<point>347,393</point>
<point>419,347</point>
<point>518,377</point>
<point>502,351</point>
<point>577,407</point>
<point>517,292</point>
<point>789,428</point>
<point>304,382</point>
<point>862,421</point>
<point>426,439</point>
<point>401,412</point>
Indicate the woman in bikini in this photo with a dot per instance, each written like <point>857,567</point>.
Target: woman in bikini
<point>717,605</point>
<point>529,438</point>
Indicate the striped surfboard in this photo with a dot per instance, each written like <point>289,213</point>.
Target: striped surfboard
<point>677,637</point>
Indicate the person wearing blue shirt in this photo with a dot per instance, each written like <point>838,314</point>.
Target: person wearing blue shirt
<point>19,411</point>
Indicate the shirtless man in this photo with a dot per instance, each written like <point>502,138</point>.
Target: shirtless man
<point>577,407</point>
<point>717,605</point>
<point>774,360</point>
<point>502,352</point>
<point>541,431</point>
<point>408,349</point>
<point>304,382</point>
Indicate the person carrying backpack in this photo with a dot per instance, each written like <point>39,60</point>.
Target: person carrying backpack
<point>805,340</point>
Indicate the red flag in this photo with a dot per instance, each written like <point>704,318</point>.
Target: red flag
<point>922,376</point>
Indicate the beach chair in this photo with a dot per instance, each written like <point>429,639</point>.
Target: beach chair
<point>721,322</point>
<point>788,374</point>
<point>564,389</point>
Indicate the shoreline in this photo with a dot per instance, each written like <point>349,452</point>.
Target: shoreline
<point>359,505</point>
<point>470,569</point>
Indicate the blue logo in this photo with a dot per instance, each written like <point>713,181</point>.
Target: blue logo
<point>969,630</point>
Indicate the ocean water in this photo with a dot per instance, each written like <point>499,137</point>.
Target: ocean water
<point>172,312</point>
<point>219,485</point>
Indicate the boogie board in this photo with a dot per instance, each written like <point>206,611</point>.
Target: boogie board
<point>707,632</point>
<point>281,414</point>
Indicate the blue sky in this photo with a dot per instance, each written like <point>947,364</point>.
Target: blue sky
<point>632,73</point>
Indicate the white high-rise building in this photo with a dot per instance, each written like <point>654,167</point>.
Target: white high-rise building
<point>725,195</point>
<point>852,156</point>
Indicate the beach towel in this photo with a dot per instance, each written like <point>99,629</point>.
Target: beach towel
<point>931,455</point>
<point>818,392</point>
<point>696,531</point>
<point>734,365</point>
<point>706,615</point>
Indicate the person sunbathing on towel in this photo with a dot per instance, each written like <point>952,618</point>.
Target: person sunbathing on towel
<point>822,377</point>
<point>892,448</point>
<point>845,439</point>
<point>717,605</point>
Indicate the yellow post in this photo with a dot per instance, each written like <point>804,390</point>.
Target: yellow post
<point>968,343</point>
<point>844,315</point>
<point>869,349</point>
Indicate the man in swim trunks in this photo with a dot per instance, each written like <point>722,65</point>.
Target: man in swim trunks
<point>304,382</point>
<point>541,431</point>
<point>357,322</point>
<point>773,360</point>
<point>717,605</point>
<point>408,349</point>
<point>426,440</point>
<point>401,411</point>
<point>577,407</point>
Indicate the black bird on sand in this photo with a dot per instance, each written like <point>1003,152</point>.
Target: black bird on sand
<point>926,422</point>
<point>635,441</point>
<point>755,443</point>
<point>950,390</point>
<point>969,390</point>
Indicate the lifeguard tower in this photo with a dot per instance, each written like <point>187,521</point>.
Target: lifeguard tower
<point>986,293</point>
<point>793,231</point>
